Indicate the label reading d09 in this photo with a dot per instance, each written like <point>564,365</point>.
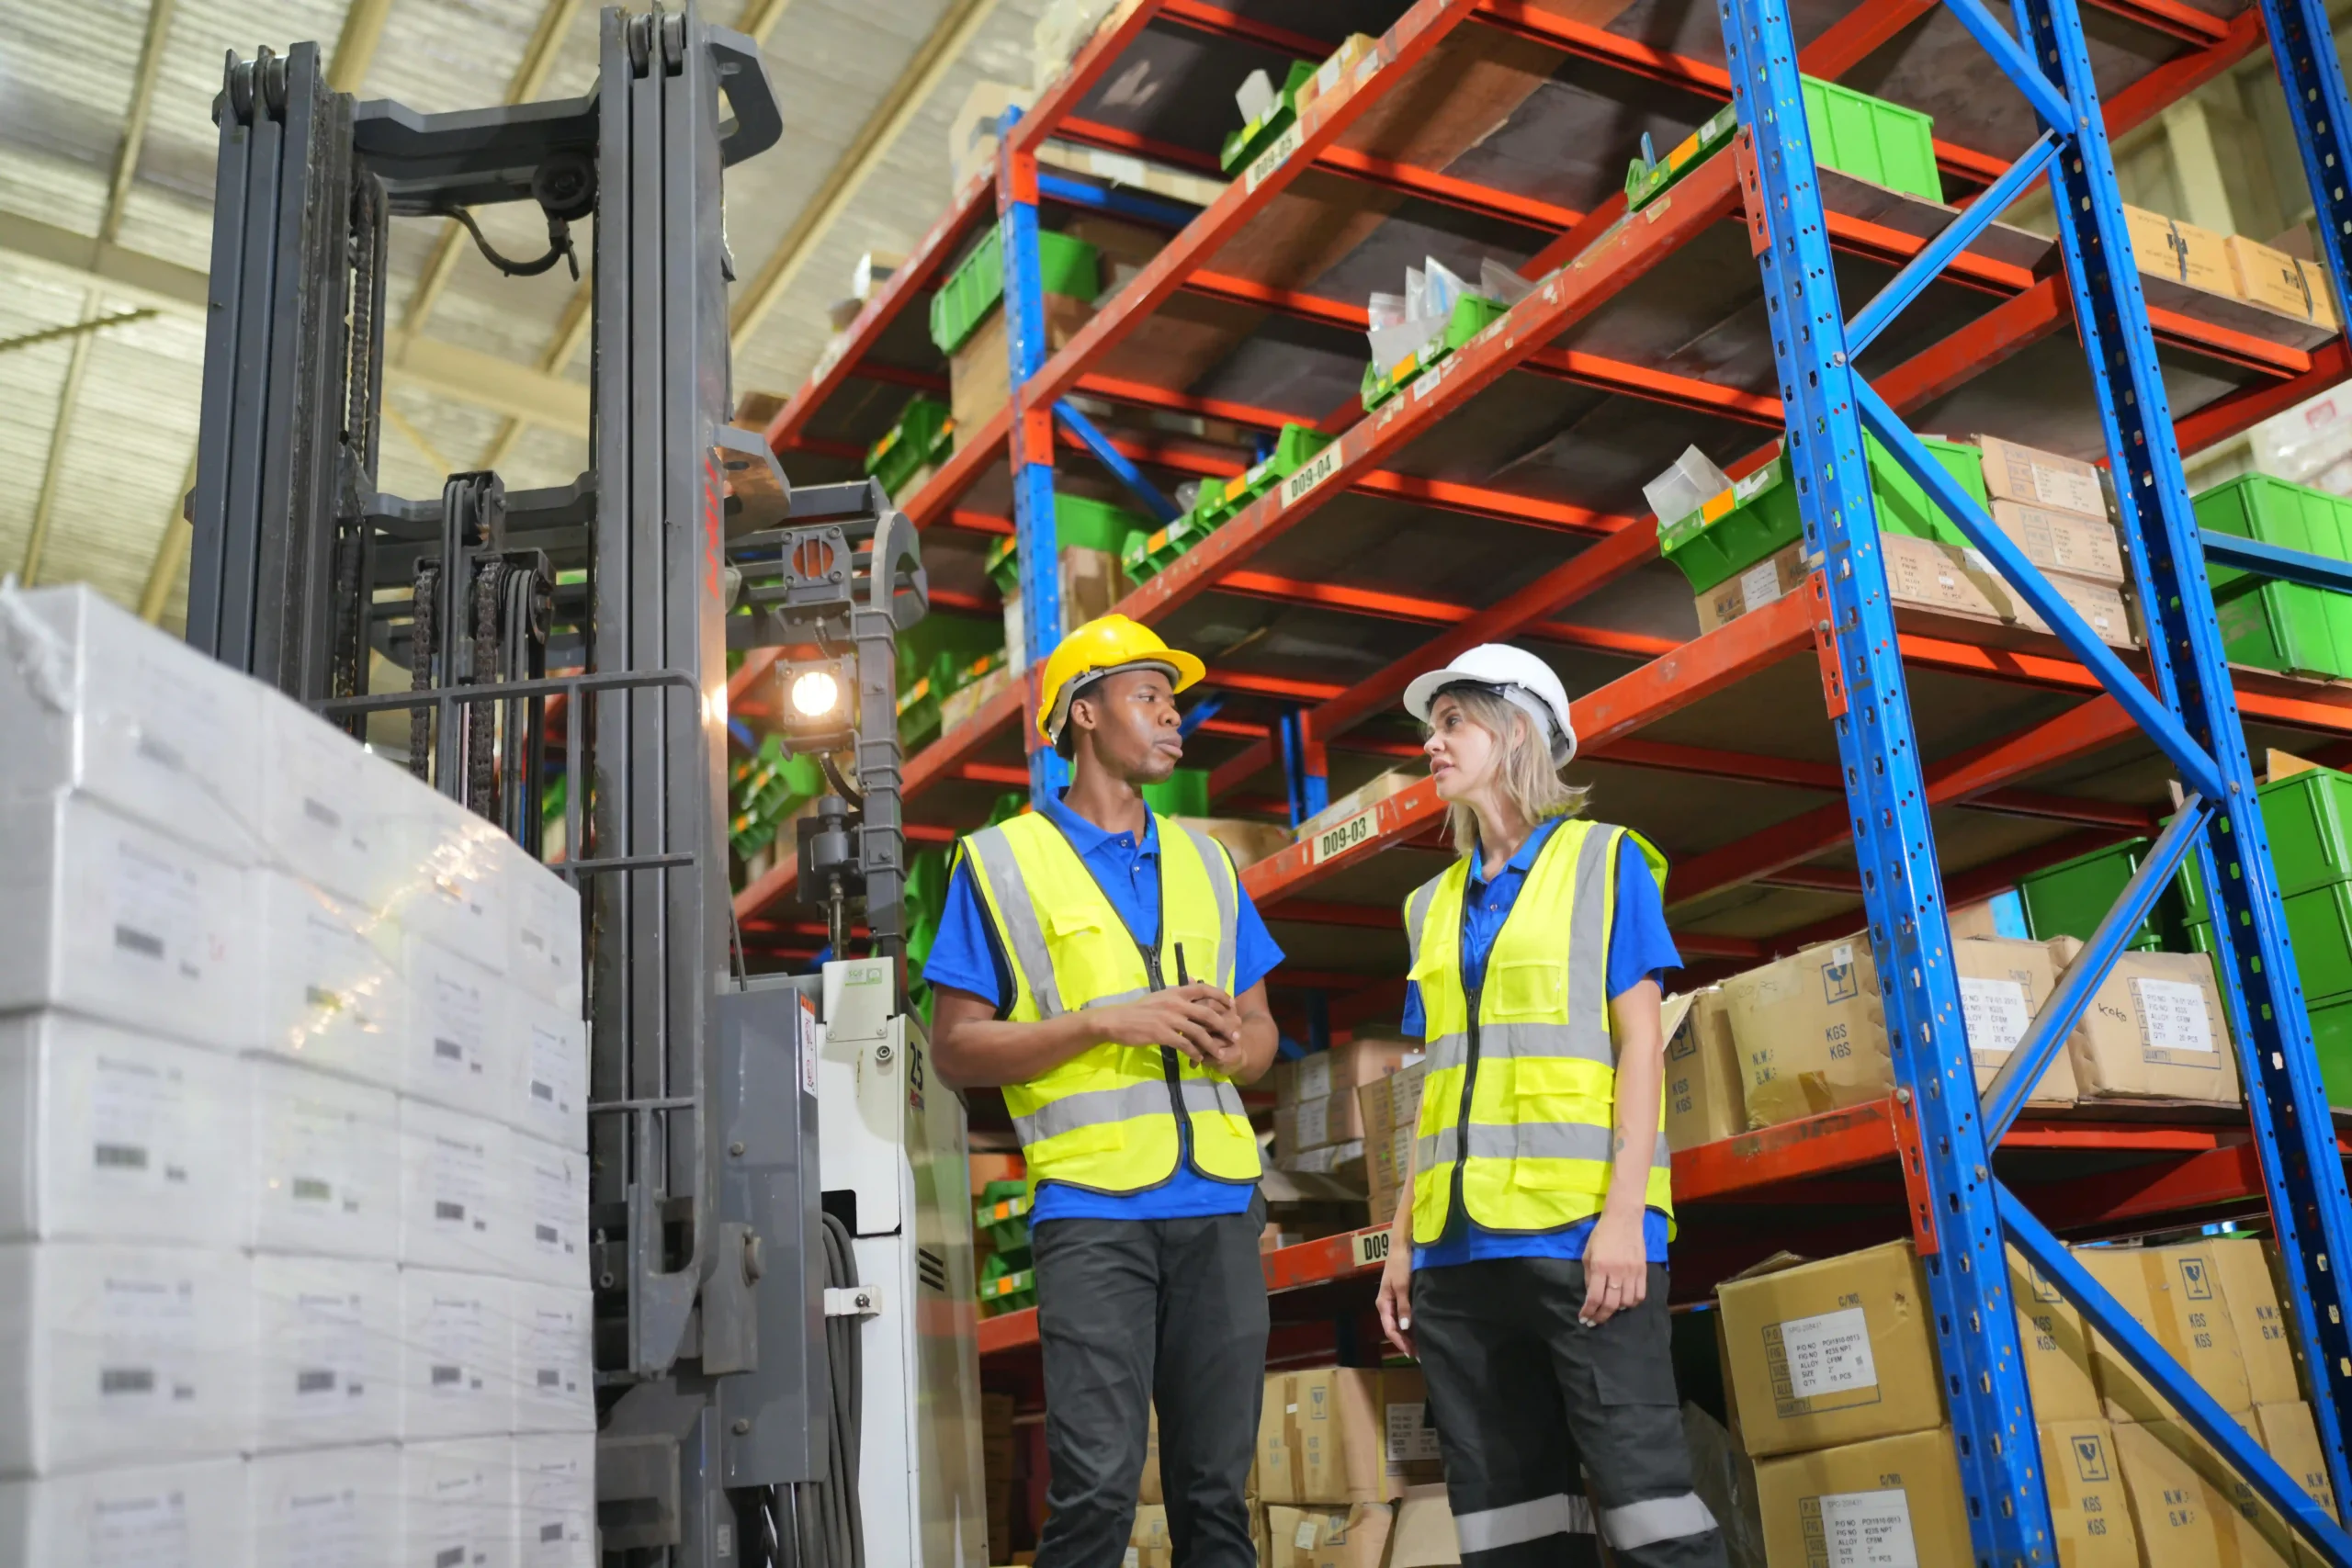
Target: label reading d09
<point>1371,1249</point>
<point>1333,841</point>
<point>1312,472</point>
<point>1262,166</point>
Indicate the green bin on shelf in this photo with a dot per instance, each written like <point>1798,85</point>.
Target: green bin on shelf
<point>1872,139</point>
<point>1644,183</point>
<point>2281,625</point>
<point>1001,1213</point>
<point>2072,898</point>
<point>923,435</point>
<point>1734,529</point>
<point>2332,1041</point>
<point>1004,1288</point>
<point>1245,141</point>
<point>1903,503</point>
<point>1184,793</point>
<point>1065,265</point>
<point>1473,313</point>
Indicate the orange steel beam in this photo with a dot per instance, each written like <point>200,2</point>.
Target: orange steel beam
<point>2177,78</point>
<point>1854,35</point>
<point>2245,408</point>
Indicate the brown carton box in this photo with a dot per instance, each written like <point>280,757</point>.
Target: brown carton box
<point>2176,1293</point>
<point>1890,1500</point>
<point>1341,1069</point>
<point>2090,1511</point>
<point>2155,1031</point>
<point>1811,1028</point>
<point>1840,1351</point>
<point>2167,247</point>
<point>1703,1102</point>
<point>1781,573</point>
<point>1343,1435</point>
<point>1423,1535</point>
<point>2034,478</point>
<point>1317,1123</point>
<point>2191,1507</point>
<point>1356,1537</point>
<point>2292,1436</point>
<point>980,373</point>
<point>1932,576</point>
<point>1248,842</point>
<point>2273,280</point>
<point>1391,1107</point>
<point>2100,604</point>
<point>2243,1266</point>
<point>2322,295</point>
<point>2063,541</point>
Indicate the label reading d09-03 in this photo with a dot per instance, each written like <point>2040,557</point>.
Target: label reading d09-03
<point>1332,841</point>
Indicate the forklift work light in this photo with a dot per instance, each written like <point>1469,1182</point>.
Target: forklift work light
<point>814,694</point>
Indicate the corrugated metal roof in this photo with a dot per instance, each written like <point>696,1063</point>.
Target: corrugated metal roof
<point>65,91</point>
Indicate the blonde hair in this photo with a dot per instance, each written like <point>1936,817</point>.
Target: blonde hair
<point>1525,774</point>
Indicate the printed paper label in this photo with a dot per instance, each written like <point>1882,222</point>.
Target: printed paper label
<point>454,1010</point>
<point>1314,1123</point>
<point>1309,474</point>
<point>455,1343</point>
<point>2172,1015</point>
<point>1865,1530</point>
<point>809,1046</point>
<point>1410,1437</point>
<point>147,1342</point>
<point>308,1162</point>
<point>155,910</point>
<point>1335,841</point>
<point>1828,1353</point>
<point>2068,492</point>
<point>552,1355</point>
<point>460,1180</point>
<point>555,1070</point>
<point>1302,1538</point>
<point>133,1109</point>
<point>558,1208</point>
<point>1262,166</point>
<point>1759,584</point>
<point>140,1532</point>
<point>1315,1076</point>
<point>329,1356</point>
<point>324,1528</point>
<point>1995,1012</point>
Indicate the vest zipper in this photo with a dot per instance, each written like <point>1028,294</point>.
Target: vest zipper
<point>1167,1066</point>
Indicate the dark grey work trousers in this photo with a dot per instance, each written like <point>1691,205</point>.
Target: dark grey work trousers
<point>1132,1314</point>
<point>1521,1396</point>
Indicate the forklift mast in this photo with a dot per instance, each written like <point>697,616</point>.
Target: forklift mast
<point>601,611</point>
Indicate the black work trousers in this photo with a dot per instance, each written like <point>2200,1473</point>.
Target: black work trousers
<point>1523,1397</point>
<point>1132,1314</point>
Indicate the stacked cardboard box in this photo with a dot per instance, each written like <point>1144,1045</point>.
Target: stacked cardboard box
<point>1335,1449</point>
<point>1706,1085</point>
<point>1391,1107</point>
<point>1835,1389</point>
<point>1318,1121</point>
<point>2230,266</point>
<point>291,1054</point>
<point>2054,509</point>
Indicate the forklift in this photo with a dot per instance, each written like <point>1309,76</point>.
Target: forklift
<point>781,1247</point>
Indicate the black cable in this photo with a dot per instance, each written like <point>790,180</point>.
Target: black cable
<point>558,248</point>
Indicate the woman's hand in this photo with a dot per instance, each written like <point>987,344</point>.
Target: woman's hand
<point>1616,1267</point>
<point>1396,1296</point>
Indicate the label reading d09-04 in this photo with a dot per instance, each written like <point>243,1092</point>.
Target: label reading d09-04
<point>1332,841</point>
<point>1312,472</point>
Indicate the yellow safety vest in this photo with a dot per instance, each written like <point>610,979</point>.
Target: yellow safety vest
<point>1523,1075</point>
<point>1105,1120</point>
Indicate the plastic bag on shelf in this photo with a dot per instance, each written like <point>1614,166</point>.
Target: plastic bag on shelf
<point>1685,487</point>
<point>1254,96</point>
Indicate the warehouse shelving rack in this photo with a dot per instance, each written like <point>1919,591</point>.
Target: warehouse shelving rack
<point>1979,730</point>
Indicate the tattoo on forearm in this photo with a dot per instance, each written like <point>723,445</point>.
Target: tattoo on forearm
<point>1618,1146</point>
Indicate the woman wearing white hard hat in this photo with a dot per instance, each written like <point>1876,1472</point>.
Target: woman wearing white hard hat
<point>1527,1264</point>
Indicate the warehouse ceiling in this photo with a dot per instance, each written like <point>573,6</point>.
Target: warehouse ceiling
<point>107,153</point>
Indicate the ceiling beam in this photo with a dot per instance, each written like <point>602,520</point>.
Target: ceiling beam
<point>444,369</point>
<point>171,552</point>
<point>52,473</point>
<point>134,119</point>
<point>354,46</point>
<point>931,60</point>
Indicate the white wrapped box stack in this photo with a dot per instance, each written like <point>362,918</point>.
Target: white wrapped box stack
<point>293,1083</point>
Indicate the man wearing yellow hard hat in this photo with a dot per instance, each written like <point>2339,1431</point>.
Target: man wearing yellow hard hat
<point>1103,965</point>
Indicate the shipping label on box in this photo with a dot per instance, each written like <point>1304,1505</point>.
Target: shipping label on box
<point>1354,1536</point>
<point>325,1508</point>
<point>2155,1031</point>
<point>456,1355</point>
<point>2034,478</point>
<point>554,1387</point>
<point>543,943</point>
<point>327,1337</point>
<point>1335,1436</point>
<point>332,992</point>
<point>548,1094</point>
<point>318,820</point>
<point>119,1136</point>
<point>326,1173</point>
<point>2090,1511</point>
<point>1830,1352</point>
<point>555,1499</point>
<point>1878,1503</point>
<point>458,1030</point>
<point>553,1196</point>
<point>2003,982</point>
<point>1776,576</point>
<point>456,1206</point>
<point>2063,541</point>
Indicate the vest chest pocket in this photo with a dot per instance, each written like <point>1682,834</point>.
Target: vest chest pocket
<point>1525,989</point>
<point>1090,958</point>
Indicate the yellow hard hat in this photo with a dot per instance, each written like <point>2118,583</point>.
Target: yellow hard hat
<point>1104,646</point>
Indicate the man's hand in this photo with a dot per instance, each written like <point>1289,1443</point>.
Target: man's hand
<point>1199,1019</point>
<point>1616,1267</point>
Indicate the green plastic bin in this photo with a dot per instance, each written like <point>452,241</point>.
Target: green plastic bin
<point>2319,923</point>
<point>1902,504</point>
<point>1472,315</point>
<point>2072,898</point>
<point>1004,1288</point>
<point>1146,556</point>
<point>1080,524</point>
<point>924,434</point>
<point>1065,265</point>
<point>1184,793</point>
<point>1872,139</point>
<point>1245,141</point>
<point>1644,183</point>
<point>2331,1041</point>
<point>2307,817</point>
<point>2281,625</point>
<point>1001,1213</point>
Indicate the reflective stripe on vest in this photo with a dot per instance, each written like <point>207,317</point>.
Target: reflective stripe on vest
<point>1518,1105</point>
<point>1105,1120</point>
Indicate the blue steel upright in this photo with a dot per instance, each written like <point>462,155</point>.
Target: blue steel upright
<point>1029,434</point>
<point>1963,1258</point>
<point>2303,45</point>
<point>1962,1215</point>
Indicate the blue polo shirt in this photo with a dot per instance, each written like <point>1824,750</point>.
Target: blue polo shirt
<point>965,955</point>
<point>1640,948</point>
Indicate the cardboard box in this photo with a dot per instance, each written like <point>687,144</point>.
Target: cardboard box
<point>1811,1028</point>
<point>1391,1107</point>
<point>121,1137</point>
<point>2275,280</point>
<point>2166,247</point>
<point>2292,1436</point>
<point>1092,585</point>
<point>325,1176</point>
<point>2034,478</point>
<point>1344,1162</point>
<point>330,1496</point>
<point>1422,1534</point>
<point>1703,1080</point>
<point>1932,576</point>
<point>553,1357</point>
<point>2245,1269</point>
<point>2090,1511</point>
<point>2155,1031</point>
<point>547,1064</point>
<point>2063,541</point>
<point>1781,573</point>
<point>1317,1123</point>
<point>326,1369</point>
<point>543,942</point>
<point>122,1355</point>
<point>2176,1293</point>
<point>1343,1435</point>
<point>94,700</point>
<point>457,1208</point>
<point>2101,606</point>
<point>106,917</point>
<point>1149,1545</point>
<point>457,1501</point>
<point>555,1498</point>
<point>331,993</point>
<point>547,1213</point>
<point>957,706</point>
<point>1891,1500</point>
<point>2321,292</point>
<point>1248,842</point>
<point>198,1509</point>
<point>1354,1536</point>
<point>980,373</point>
<point>316,817</point>
<point>456,1355</point>
<point>2189,1507</point>
<point>1342,1069</point>
<point>1149,1490</point>
<point>1840,1351</point>
<point>973,135</point>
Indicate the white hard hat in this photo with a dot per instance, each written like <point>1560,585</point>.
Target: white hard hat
<point>1515,675</point>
